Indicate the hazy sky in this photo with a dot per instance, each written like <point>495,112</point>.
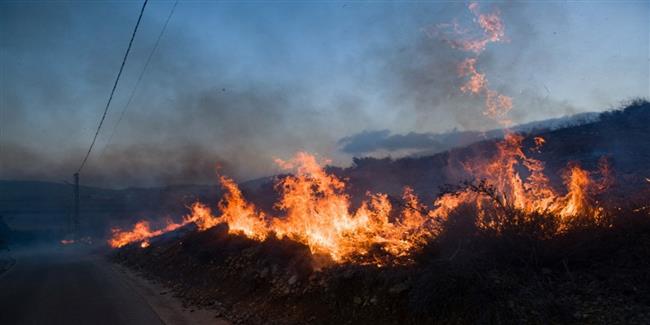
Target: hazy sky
<point>240,83</point>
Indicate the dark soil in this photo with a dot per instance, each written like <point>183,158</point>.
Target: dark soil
<point>589,276</point>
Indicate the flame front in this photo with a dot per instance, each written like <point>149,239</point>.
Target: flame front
<point>141,232</point>
<point>504,190</point>
<point>316,211</point>
<point>318,214</point>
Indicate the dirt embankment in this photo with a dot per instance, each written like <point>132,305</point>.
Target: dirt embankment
<point>595,276</point>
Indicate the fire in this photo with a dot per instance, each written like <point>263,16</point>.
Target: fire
<point>201,216</point>
<point>476,82</point>
<point>504,189</point>
<point>241,216</point>
<point>511,181</point>
<point>318,214</point>
<point>492,30</point>
<point>316,210</point>
<point>539,143</point>
<point>140,233</point>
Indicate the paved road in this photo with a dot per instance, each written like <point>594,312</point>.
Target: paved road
<point>68,285</point>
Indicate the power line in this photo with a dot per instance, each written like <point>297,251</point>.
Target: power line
<point>135,88</point>
<point>110,98</point>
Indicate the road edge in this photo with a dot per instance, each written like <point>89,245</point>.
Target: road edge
<point>168,308</point>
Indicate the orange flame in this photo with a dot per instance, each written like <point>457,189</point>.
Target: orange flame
<point>241,216</point>
<point>318,214</point>
<point>533,194</point>
<point>140,233</point>
<point>316,210</point>
<point>492,28</point>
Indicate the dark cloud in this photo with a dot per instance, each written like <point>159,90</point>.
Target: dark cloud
<point>371,141</point>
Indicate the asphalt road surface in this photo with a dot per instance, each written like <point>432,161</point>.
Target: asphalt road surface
<point>69,285</point>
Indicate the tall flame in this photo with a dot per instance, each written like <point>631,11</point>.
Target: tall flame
<point>318,214</point>
<point>316,211</point>
<point>507,189</point>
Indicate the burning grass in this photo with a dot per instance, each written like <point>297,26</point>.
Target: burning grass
<point>315,210</point>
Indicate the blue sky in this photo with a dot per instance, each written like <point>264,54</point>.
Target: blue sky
<point>239,83</point>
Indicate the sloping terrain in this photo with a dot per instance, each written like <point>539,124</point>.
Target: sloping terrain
<point>622,136</point>
<point>467,274</point>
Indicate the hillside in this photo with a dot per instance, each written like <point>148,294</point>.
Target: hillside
<point>622,136</point>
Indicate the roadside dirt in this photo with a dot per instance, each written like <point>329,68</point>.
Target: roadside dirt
<point>170,309</point>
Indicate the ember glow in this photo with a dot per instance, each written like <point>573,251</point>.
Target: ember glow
<point>492,30</point>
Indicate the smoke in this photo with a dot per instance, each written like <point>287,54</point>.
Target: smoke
<point>234,89</point>
<point>382,142</point>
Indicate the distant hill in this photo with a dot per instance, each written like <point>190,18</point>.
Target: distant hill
<point>46,207</point>
<point>414,144</point>
<point>622,135</point>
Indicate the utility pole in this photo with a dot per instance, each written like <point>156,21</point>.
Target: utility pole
<point>75,217</point>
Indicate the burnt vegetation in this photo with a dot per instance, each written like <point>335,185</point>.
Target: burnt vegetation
<point>526,271</point>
